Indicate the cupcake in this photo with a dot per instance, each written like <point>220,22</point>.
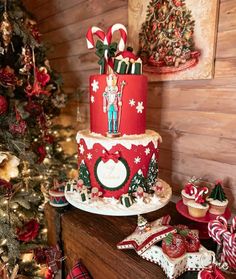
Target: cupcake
<point>188,193</point>
<point>198,207</point>
<point>217,200</point>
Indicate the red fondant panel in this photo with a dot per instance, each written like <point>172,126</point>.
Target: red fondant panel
<point>133,110</point>
<point>90,157</point>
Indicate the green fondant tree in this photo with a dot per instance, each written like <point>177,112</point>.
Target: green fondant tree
<point>218,193</point>
<point>152,172</point>
<point>84,174</point>
<point>138,180</point>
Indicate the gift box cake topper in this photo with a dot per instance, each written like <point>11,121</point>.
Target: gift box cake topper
<point>124,62</point>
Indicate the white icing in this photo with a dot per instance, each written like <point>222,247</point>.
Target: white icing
<point>126,140</point>
<point>111,174</point>
<point>112,206</point>
<point>197,205</point>
<point>187,195</point>
<point>217,202</point>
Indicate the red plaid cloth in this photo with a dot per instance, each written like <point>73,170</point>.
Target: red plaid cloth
<point>79,271</point>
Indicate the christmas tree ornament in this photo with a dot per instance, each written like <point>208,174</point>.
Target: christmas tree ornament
<point>57,194</point>
<point>31,25</point>
<point>3,105</point>
<point>6,29</point>
<point>8,77</point>
<point>26,60</point>
<point>8,166</point>
<point>28,231</point>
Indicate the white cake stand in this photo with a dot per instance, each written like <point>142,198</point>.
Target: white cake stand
<point>112,207</point>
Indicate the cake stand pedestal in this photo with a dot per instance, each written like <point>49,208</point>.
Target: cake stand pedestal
<point>200,224</point>
<point>112,207</point>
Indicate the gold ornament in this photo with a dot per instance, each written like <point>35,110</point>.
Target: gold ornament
<point>25,174</point>
<point>6,29</point>
<point>8,166</point>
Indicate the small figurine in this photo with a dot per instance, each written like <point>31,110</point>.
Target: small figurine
<point>112,104</point>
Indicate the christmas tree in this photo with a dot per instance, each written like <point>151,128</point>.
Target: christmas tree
<point>166,37</point>
<point>137,181</point>
<point>30,152</point>
<point>84,174</point>
<point>217,193</point>
<point>152,172</point>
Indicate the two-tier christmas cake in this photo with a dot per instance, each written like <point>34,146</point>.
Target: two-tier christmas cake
<point>117,157</point>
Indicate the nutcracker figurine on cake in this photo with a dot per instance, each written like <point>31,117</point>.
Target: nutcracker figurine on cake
<point>112,104</point>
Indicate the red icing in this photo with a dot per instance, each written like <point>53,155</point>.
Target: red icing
<point>131,122</point>
<point>128,154</point>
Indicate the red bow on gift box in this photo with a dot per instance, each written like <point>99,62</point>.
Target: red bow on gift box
<point>211,272</point>
<point>110,156</point>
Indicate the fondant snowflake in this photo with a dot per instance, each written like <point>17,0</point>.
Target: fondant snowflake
<point>81,149</point>
<point>95,85</point>
<point>132,102</point>
<point>92,99</point>
<point>140,107</point>
<point>89,156</point>
<point>147,151</point>
<point>137,160</point>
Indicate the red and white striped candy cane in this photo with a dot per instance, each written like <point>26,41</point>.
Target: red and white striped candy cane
<point>123,33</point>
<point>218,230</point>
<point>94,30</point>
<point>199,195</point>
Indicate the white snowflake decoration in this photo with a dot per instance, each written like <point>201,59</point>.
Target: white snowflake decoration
<point>81,149</point>
<point>92,99</point>
<point>95,85</point>
<point>147,151</point>
<point>140,107</point>
<point>89,156</point>
<point>132,102</point>
<point>137,160</point>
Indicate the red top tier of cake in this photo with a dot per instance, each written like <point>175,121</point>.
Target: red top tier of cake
<point>132,112</point>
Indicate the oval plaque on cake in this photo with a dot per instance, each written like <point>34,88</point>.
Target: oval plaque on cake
<point>111,174</point>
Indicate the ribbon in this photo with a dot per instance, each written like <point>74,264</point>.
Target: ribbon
<point>211,272</point>
<point>190,189</point>
<point>111,156</point>
<point>103,50</point>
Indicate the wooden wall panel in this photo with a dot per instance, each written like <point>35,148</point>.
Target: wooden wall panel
<point>197,119</point>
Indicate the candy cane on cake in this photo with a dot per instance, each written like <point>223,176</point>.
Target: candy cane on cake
<point>218,230</point>
<point>199,195</point>
<point>94,30</point>
<point>123,33</point>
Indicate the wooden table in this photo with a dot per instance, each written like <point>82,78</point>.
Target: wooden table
<point>93,238</point>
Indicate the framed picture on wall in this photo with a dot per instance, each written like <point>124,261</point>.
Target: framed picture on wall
<point>176,39</point>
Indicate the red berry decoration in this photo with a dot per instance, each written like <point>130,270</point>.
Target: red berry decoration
<point>192,243</point>
<point>174,245</point>
<point>3,105</point>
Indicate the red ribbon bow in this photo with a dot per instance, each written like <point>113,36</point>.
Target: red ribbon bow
<point>111,156</point>
<point>189,189</point>
<point>211,272</point>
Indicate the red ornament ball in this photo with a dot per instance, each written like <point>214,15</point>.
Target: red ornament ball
<point>3,104</point>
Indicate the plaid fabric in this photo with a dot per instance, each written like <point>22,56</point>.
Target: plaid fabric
<point>79,271</point>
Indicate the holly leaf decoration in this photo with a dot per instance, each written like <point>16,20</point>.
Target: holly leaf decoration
<point>169,238</point>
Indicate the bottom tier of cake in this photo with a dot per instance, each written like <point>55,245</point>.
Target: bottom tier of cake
<point>120,165</point>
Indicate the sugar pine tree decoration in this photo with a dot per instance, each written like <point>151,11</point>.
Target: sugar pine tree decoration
<point>218,193</point>
<point>84,174</point>
<point>138,180</point>
<point>166,37</point>
<point>152,172</point>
